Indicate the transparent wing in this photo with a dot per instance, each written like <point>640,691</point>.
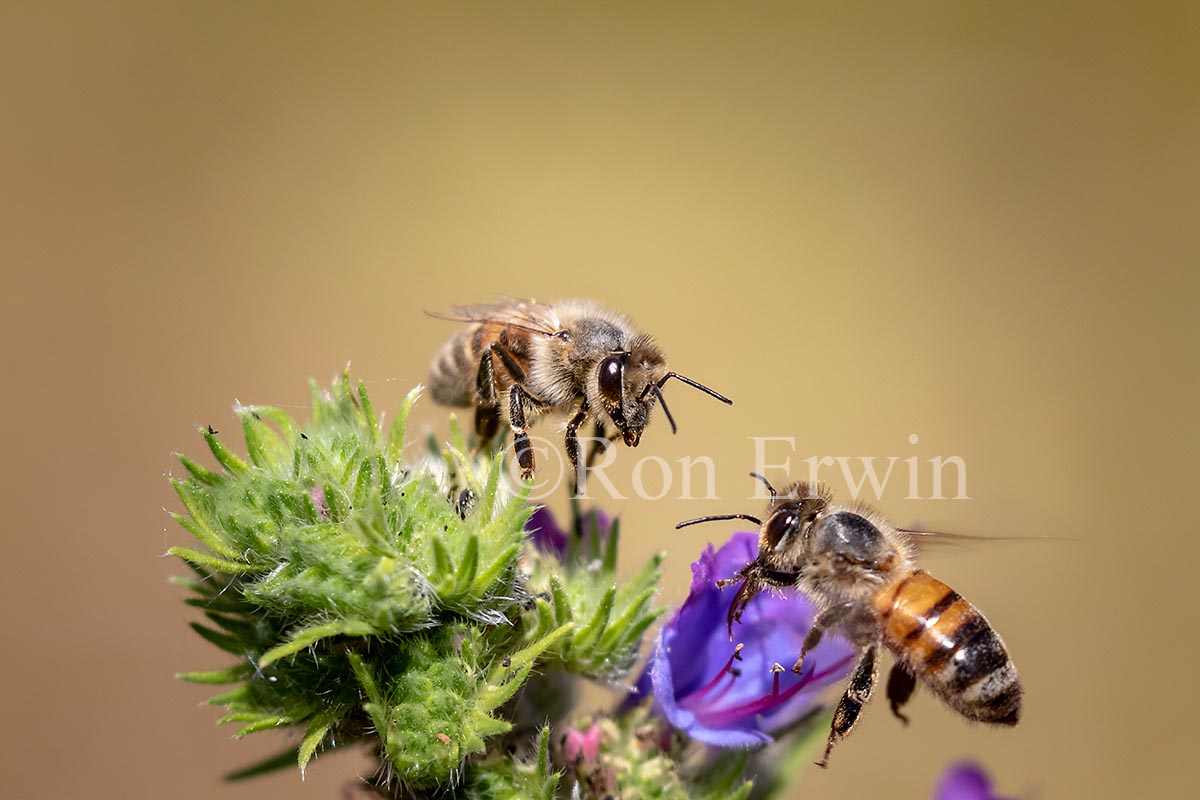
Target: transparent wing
<point>525,314</point>
<point>924,540</point>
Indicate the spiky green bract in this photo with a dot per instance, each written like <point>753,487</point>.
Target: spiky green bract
<point>609,615</point>
<point>513,776</point>
<point>429,705</point>
<point>359,600</point>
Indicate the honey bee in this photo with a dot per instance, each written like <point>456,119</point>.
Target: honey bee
<point>860,572</point>
<point>574,356</point>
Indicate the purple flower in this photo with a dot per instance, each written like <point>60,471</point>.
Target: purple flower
<point>549,538</point>
<point>736,699</point>
<point>965,781</point>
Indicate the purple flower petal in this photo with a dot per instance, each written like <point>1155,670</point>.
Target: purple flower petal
<point>965,781</point>
<point>703,690</point>
<point>546,535</point>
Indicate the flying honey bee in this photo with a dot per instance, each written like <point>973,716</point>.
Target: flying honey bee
<point>860,572</point>
<point>520,359</point>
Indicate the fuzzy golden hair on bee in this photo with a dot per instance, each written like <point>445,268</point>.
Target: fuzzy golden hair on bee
<point>520,360</point>
<point>860,572</point>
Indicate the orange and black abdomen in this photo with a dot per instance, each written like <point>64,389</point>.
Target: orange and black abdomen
<point>950,648</point>
<point>453,375</point>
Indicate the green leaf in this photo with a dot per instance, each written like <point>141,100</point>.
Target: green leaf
<point>266,723</point>
<point>469,564</point>
<point>276,762</point>
<point>306,637</point>
<point>198,472</point>
<point>487,504</point>
<point>212,562</point>
<point>505,680</point>
<point>621,624</point>
<point>232,698</point>
<point>317,728</point>
<point>219,676</point>
<point>441,560</point>
<point>222,640</point>
<point>562,605</point>
<point>206,535</point>
<point>368,412</point>
<point>591,632</point>
<point>265,448</point>
<point>610,546</point>
<point>224,455</point>
<point>494,570</point>
<point>395,443</point>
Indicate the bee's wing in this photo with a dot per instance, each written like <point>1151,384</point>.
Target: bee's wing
<point>525,314</point>
<point>924,540</point>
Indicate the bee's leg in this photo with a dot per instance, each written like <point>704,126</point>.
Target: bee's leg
<point>571,443</point>
<point>900,687</point>
<point>754,577</point>
<point>487,409</point>
<point>600,435</point>
<point>862,684</point>
<point>826,619</point>
<point>510,363</point>
<point>516,420</point>
<point>752,582</point>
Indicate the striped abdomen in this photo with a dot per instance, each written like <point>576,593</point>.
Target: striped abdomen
<point>454,373</point>
<point>948,645</point>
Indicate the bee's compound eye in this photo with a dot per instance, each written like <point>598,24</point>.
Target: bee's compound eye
<point>610,378</point>
<point>780,528</point>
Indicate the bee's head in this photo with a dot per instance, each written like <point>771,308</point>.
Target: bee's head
<point>783,540</point>
<point>626,382</point>
<point>629,382</point>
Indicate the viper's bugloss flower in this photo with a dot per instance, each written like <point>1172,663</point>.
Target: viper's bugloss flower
<point>965,781</point>
<point>738,698</point>
<point>546,535</point>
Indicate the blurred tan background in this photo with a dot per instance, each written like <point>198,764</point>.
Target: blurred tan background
<point>972,224</point>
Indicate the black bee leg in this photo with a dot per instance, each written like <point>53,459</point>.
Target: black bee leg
<point>510,363</point>
<point>487,409</point>
<point>571,443</point>
<point>862,684</point>
<point>754,577</point>
<point>750,577</point>
<point>826,619</point>
<point>602,442</point>
<point>516,420</point>
<point>900,687</point>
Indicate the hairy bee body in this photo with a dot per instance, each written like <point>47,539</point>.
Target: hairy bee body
<point>518,360</point>
<point>452,376</point>
<point>948,645</point>
<point>860,572</point>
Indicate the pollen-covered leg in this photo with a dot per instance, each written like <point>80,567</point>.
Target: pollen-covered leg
<point>900,687</point>
<point>862,685</point>
<point>571,444</point>
<point>516,415</point>
<point>823,621</point>
<point>487,407</point>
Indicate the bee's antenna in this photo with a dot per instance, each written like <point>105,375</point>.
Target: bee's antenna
<point>717,517</point>
<point>695,385</point>
<point>770,488</point>
<point>663,402</point>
